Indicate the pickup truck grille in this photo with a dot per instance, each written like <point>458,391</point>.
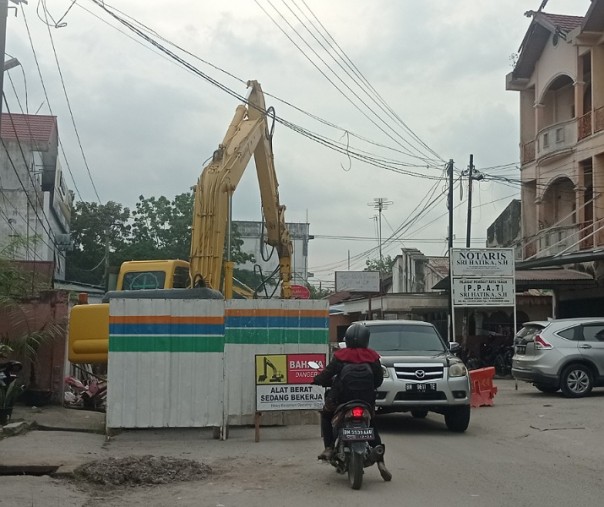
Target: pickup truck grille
<point>419,372</point>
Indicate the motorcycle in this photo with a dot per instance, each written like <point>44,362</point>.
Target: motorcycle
<point>8,372</point>
<point>352,451</point>
<point>91,396</point>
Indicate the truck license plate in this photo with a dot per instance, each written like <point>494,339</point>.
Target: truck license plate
<point>426,387</point>
<point>349,434</point>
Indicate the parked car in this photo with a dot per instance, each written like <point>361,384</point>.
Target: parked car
<point>561,354</point>
<point>421,372</point>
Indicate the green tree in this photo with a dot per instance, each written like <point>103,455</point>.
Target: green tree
<point>156,229</point>
<point>161,229</point>
<point>95,229</point>
<point>318,292</point>
<point>383,265</point>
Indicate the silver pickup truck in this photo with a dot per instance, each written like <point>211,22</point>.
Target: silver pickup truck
<point>421,373</point>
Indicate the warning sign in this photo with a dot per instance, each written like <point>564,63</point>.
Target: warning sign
<point>283,382</point>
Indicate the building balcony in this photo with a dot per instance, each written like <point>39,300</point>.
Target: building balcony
<point>558,239</point>
<point>562,136</point>
<point>556,138</point>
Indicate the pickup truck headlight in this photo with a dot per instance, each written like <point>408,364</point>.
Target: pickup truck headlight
<point>458,370</point>
<point>385,370</point>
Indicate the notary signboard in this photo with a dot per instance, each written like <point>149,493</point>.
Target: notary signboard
<point>481,262</point>
<point>483,291</point>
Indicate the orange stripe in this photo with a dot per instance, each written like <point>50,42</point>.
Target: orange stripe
<point>232,312</point>
<point>163,319</point>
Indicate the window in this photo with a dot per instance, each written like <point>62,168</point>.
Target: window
<point>560,135</point>
<point>570,333</point>
<point>593,333</point>
<point>388,339</point>
<point>181,278</point>
<point>144,280</point>
<point>546,140</point>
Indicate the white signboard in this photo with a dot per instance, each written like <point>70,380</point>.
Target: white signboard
<point>289,397</point>
<point>483,291</point>
<point>358,281</point>
<point>482,262</point>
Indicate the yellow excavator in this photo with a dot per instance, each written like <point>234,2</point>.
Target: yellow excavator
<point>247,135</point>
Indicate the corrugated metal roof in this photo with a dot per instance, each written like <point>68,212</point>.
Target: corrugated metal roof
<point>28,127</point>
<point>542,279</point>
<point>552,274</point>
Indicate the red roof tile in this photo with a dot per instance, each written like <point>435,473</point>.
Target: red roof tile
<point>565,23</point>
<point>28,127</point>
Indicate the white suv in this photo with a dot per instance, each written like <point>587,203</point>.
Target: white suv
<point>421,373</point>
<point>566,354</point>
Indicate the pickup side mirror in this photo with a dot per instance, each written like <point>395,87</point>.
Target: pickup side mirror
<point>454,347</point>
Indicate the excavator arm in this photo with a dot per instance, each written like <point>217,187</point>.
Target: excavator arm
<point>247,135</point>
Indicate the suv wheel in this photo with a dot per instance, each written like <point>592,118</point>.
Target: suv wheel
<point>576,381</point>
<point>458,418</point>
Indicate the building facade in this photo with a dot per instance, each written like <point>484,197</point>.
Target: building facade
<point>35,202</point>
<point>253,236</point>
<point>559,75</point>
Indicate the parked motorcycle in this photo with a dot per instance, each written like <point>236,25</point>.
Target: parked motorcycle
<point>8,372</point>
<point>91,396</point>
<point>352,452</point>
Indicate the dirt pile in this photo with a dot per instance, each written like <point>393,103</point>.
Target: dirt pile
<point>141,470</point>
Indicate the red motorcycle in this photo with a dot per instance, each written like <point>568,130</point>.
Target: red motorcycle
<point>91,395</point>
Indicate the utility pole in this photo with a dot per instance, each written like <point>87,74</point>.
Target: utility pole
<point>472,176</point>
<point>380,203</point>
<point>469,224</point>
<point>3,16</point>
<point>450,244</point>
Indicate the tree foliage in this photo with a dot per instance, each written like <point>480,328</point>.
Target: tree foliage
<point>383,265</point>
<point>95,229</point>
<point>318,292</point>
<point>105,235</point>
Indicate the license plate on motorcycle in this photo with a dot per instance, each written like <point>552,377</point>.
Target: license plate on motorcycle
<point>349,434</point>
<point>426,387</point>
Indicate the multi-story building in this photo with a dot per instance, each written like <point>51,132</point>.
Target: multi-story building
<point>559,74</point>
<point>35,203</point>
<point>254,236</point>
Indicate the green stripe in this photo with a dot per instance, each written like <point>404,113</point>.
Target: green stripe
<point>168,343</point>
<point>276,336</point>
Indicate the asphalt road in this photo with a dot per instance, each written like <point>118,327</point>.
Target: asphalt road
<point>529,449</point>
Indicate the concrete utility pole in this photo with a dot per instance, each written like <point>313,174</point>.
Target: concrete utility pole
<point>472,176</point>
<point>450,244</point>
<point>3,16</point>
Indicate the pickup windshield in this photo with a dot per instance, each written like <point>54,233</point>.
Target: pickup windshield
<point>392,339</point>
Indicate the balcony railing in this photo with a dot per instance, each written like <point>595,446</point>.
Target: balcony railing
<point>556,137</point>
<point>584,126</point>
<point>558,239</point>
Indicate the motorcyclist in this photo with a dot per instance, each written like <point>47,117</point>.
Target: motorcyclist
<point>356,351</point>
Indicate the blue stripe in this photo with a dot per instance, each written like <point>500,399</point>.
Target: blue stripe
<point>166,329</point>
<point>276,322</point>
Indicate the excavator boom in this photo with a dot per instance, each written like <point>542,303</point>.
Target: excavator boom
<point>247,135</point>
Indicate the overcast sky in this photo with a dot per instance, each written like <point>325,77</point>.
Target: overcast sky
<point>146,124</point>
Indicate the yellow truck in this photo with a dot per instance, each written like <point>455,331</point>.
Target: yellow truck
<point>248,134</point>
